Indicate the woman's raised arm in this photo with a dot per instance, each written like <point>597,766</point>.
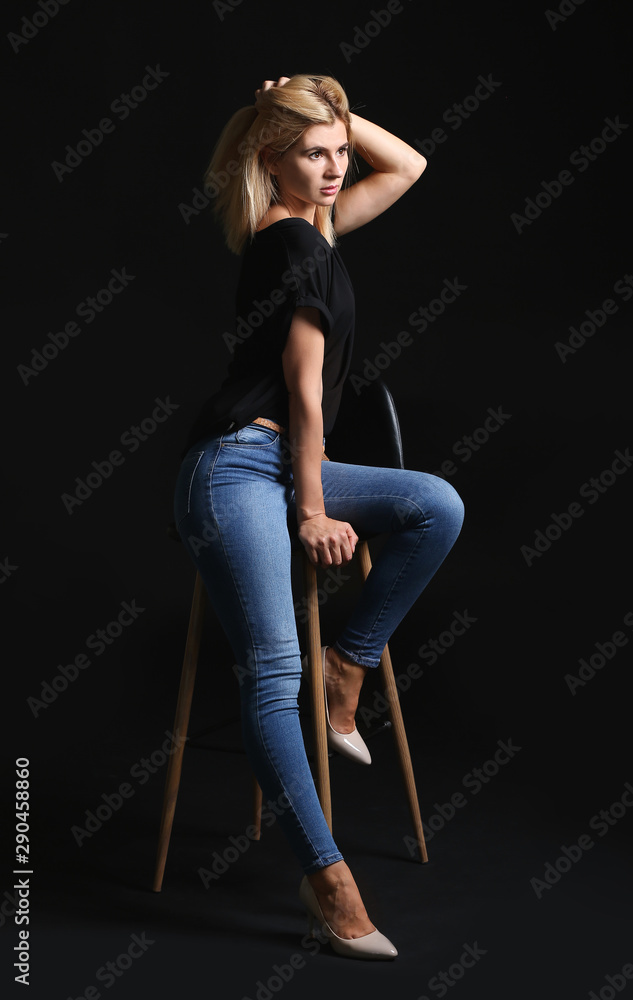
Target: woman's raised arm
<point>396,167</point>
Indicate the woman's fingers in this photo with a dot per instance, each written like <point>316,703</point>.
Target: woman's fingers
<point>347,545</point>
<point>279,83</point>
<point>328,542</point>
<point>267,84</point>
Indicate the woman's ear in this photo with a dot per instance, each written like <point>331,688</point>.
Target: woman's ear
<point>267,156</point>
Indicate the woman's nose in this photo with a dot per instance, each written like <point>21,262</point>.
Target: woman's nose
<point>334,169</point>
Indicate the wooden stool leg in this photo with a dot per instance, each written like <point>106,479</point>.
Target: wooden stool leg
<point>395,714</point>
<point>257,809</point>
<point>181,723</point>
<point>404,756</point>
<point>316,688</point>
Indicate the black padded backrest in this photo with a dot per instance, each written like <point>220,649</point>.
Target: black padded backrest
<point>367,430</point>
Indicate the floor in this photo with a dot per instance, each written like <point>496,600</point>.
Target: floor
<point>508,905</point>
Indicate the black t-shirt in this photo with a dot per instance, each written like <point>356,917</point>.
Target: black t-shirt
<point>286,265</point>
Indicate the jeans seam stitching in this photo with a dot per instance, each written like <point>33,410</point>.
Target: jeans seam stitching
<point>191,478</point>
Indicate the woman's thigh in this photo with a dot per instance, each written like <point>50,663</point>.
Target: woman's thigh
<point>378,500</point>
<point>231,504</point>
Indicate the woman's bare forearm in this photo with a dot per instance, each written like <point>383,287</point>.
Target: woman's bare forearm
<point>325,540</point>
<point>305,435</point>
<point>385,152</point>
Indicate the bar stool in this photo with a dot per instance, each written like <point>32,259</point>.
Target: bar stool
<point>379,411</point>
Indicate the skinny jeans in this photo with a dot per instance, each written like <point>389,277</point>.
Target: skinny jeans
<point>234,508</point>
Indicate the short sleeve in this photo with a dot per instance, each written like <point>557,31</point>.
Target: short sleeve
<point>309,272</point>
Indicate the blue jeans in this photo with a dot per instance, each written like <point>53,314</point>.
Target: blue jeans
<point>234,510</point>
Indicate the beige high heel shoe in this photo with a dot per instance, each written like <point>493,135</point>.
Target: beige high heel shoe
<point>370,946</point>
<point>350,745</point>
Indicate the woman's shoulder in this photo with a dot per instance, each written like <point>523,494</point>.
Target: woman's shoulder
<point>294,238</point>
<point>275,214</point>
<point>288,227</point>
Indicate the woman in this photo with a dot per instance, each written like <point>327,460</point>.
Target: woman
<point>253,466</point>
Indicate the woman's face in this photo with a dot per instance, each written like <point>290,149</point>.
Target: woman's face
<point>311,172</point>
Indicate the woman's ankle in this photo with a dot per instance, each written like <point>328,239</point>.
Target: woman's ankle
<point>342,661</point>
<point>340,667</point>
<point>331,877</point>
<point>340,901</point>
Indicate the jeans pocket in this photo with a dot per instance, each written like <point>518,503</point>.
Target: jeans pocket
<point>253,435</point>
<point>184,482</point>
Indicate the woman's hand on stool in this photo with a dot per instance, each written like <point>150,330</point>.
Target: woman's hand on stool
<point>326,541</point>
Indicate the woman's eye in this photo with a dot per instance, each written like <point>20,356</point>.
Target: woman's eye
<point>317,153</point>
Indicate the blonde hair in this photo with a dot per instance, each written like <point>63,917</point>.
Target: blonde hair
<point>245,188</point>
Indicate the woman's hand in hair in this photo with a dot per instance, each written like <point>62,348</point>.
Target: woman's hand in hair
<point>327,542</point>
<point>266,85</point>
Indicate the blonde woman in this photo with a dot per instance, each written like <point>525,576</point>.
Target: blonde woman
<point>252,471</point>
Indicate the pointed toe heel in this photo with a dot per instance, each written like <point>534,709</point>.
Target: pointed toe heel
<point>350,745</point>
<point>371,947</point>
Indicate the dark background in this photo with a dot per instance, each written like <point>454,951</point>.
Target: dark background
<point>67,574</point>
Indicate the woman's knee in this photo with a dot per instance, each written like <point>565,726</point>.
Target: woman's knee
<point>450,505</point>
<point>433,501</point>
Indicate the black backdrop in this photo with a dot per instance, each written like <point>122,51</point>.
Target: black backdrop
<point>523,114</point>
